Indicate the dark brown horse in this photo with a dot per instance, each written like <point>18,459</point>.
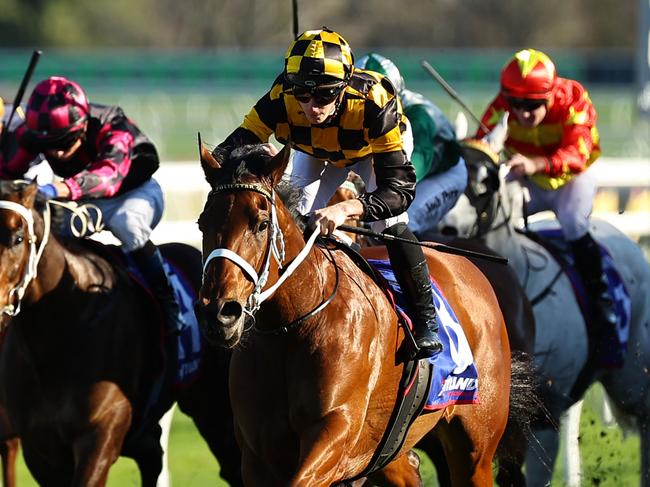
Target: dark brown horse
<point>314,379</point>
<point>82,355</point>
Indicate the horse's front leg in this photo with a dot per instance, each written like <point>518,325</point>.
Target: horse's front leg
<point>323,451</point>
<point>404,471</point>
<point>9,453</point>
<point>100,444</point>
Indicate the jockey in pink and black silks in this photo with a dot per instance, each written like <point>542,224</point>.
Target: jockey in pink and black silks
<point>99,155</point>
<point>552,141</point>
<point>112,157</point>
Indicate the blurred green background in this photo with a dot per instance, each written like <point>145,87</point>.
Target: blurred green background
<point>174,94</point>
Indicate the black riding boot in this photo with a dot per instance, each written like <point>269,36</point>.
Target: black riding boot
<point>150,262</point>
<point>412,274</point>
<point>589,265</point>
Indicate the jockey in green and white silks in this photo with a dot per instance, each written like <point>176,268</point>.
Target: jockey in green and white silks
<point>440,170</point>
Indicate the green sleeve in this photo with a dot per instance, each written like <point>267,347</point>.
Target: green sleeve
<point>424,130</point>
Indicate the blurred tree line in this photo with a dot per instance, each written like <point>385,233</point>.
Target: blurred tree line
<point>572,24</point>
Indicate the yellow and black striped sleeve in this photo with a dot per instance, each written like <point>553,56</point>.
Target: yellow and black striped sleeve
<point>262,120</point>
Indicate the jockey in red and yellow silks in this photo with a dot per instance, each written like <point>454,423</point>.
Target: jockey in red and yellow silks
<point>552,140</point>
<point>567,137</point>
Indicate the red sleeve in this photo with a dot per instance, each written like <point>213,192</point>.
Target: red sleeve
<point>579,145</point>
<point>18,164</point>
<point>104,176</point>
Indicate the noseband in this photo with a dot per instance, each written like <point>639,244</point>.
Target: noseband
<point>276,250</point>
<point>17,293</point>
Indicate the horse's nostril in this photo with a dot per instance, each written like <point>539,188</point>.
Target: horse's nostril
<point>230,311</point>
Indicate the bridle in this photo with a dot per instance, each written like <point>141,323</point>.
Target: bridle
<point>34,256</point>
<point>275,250</point>
<point>485,203</point>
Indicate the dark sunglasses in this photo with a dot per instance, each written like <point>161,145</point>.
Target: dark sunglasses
<point>64,145</point>
<point>525,104</point>
<point>322,95</point>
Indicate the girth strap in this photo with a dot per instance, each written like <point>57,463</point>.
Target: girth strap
<point>411,398</point>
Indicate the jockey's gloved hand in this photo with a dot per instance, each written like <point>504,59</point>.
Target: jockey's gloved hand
<point>48,190</point>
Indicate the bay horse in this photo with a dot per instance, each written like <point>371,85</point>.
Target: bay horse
<point>492,211</point>
<point>314,373</point>
<point>82,360</point>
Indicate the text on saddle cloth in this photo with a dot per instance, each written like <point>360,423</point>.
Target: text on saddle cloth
<point>455,377</point>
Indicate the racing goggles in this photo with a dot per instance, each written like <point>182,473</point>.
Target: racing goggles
<point>525,104</point>
<point>321,95</point>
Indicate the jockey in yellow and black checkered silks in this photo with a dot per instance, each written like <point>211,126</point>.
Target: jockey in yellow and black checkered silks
<point>339,119</point>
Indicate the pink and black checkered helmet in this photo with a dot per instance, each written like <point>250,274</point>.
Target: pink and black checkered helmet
<point>56,113</point>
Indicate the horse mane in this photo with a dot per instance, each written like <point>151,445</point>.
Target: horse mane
<point>247,164</point>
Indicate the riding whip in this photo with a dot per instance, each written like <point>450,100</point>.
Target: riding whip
<point>294,4</point>
<point>435,246</point>
<point>21,90</point>
<point>435,75</point>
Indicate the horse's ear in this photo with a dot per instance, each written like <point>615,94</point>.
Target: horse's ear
<point>29,194</point>
<point>497,138</point>
<point>278,164</point>
<point>209,163</point>
<point>477,151</point>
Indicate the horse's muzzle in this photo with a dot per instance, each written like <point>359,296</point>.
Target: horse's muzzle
<point>221,321</point>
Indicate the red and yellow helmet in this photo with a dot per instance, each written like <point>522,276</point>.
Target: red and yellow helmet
<point>318,57</point>
<point>530,74</point>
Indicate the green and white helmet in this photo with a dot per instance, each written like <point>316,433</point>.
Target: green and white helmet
<point>379,64</point>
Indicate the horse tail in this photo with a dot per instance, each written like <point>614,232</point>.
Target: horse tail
<point>525,405</point>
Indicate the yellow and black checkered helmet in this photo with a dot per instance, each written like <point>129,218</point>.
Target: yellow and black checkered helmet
<point>318,57</point>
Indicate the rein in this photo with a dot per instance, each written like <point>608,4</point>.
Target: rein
<point>17,293</point>
<point>276,250</point>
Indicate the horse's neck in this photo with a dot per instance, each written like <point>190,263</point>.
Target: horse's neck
<point>59,264</point>
<point>304,289</point>
<point>502,236</point>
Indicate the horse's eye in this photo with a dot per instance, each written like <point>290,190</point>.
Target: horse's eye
<point>18,238</point>
<point>264,224</point>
